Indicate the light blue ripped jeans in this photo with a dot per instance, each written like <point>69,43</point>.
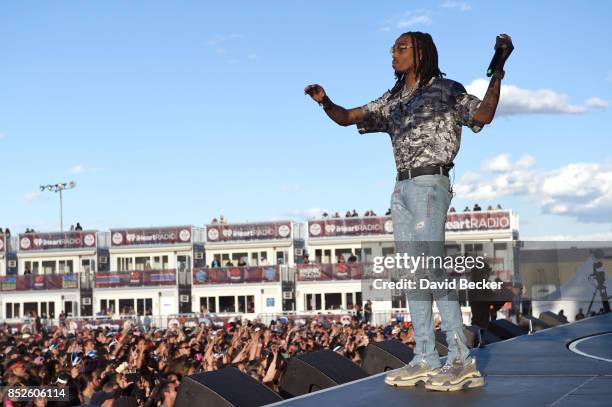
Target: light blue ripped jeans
<point>418,209</point>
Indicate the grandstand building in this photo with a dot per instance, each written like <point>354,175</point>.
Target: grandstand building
<point>251,269</point>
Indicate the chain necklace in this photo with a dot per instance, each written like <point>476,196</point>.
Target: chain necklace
<point>406,95</point>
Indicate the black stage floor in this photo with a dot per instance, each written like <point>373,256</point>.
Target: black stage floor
<point>530,370</point>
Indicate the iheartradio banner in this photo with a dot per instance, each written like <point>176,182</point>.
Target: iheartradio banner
<point>326,272</point>
<point>2,245</point>
<point>149,278</point>
<point>350,227</point>
<point>50,241</point>
<point>229,275</point>
<point>478,221</point>
<point>248,231</point>
<point>151,236</point>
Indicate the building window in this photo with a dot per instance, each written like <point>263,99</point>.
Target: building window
<point>126,306</point>
<point>349,301</point>
<point>143,263</point>
<point>124,263</point>
<point>48,267</point>
<point>65,267</point>
<point>333,301</point>
<point>30,308</point>
<point>246,303</point>
<point>144,306</point>
<point>313,302</point>
<point>398,302</point>
<point>68,308</point>
<point>388,251</point>
<point>107,306</point>
<point>227,303</point>
<point>209,303</point>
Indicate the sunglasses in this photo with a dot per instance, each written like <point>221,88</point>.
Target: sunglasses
<point>399,48</point>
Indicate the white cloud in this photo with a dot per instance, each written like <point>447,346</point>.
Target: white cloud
<point>580,190</point>
<point>78,169</point>
<point>32,196</point>
<point>414,20</point>
<point>2,136</point>
<point>500,163</point>
<point>457,5</point>
<point>514,100</point>
<point>597,103</point>
<point>583,191</point>
<point>407,20</point>
<point>512,179</point>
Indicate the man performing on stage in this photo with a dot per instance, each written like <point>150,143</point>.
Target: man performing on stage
<point>423,113</point>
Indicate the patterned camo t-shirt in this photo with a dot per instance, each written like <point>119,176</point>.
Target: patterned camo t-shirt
<point>425,126</point>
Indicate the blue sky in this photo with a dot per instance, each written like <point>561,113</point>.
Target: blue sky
<point>176,112</point>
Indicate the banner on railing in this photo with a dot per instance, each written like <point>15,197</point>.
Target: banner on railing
<point>70,281</point>
<point>50,241</point>
<point>478,221</point>
<point>229,275</point>
<point>39,282</point>
<point>338,227</point>
<point>248,231</point>
<point>151,236</point>
<point>9,283</point>
<point>455,222</point>
<point>139,278</point>
<point>326,272</point>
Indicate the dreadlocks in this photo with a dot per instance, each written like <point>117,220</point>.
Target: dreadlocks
<point>427,67</point>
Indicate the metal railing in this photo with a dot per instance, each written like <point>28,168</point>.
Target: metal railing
<point>141,278</point>
<point>30,282</point>
<point>236,275</point>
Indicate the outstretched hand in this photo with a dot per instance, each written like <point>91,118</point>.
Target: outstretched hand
<point>316,92</point>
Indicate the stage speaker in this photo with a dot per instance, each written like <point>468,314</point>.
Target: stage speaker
<point>318,370</point>
<point>485,338</point>
<point>505,329</point>
<point>536,323</point>
<point>223,388</point>
<point>442,345</point>
<point>552,319</point>
<point>386,355</point>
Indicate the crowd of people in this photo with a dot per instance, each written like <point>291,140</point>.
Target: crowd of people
<point>476,208</point>
<point>350,214</point>
<point>143,366</point>
<point>370,213</point>
<point>7,231</point>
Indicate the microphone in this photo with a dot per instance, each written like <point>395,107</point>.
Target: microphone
<point>495,60</point>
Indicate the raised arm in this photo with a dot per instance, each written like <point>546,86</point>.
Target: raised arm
<point>340,115</point>
<point>486,111</point>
